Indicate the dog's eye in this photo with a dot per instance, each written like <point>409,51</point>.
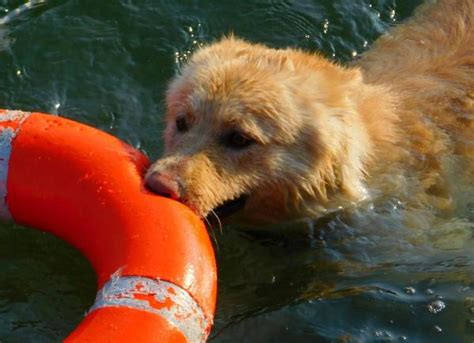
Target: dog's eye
<point>181,124</point>
<point>237,140</point>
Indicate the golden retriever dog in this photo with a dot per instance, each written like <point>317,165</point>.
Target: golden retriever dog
<point>279,134</point>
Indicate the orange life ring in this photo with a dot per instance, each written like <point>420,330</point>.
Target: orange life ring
<point>153,258</point>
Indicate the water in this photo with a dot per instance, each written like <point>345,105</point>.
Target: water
<point>356,277</point>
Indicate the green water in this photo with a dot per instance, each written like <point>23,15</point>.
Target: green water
<point>107,63</point>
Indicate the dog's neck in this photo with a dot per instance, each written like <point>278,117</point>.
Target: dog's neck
<point>375,138</point>
<point>379,109</point>
<point>358,133</point>
<point>375,141</point>
<point>408,144</point>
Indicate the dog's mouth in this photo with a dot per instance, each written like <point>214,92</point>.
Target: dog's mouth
<point>230,207</point>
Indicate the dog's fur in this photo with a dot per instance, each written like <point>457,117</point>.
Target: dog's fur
<point>322,136</point>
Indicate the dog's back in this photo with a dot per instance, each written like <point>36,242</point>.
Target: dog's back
<point>436,44</point>
<point>429,63</point>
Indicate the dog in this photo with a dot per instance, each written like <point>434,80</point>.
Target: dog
<point>282,134</point>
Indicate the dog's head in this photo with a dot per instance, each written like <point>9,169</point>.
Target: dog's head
<point>259,129</point>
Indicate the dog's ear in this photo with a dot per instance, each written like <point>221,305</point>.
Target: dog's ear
<point>286,63</point>
<point>241,49</point>
<point>280,60</point>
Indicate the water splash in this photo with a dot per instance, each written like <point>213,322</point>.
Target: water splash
<point>20,10</point>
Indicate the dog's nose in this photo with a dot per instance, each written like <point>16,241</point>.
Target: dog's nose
<point>164,184</point>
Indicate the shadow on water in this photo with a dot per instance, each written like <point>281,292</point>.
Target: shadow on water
<point>361,276</point>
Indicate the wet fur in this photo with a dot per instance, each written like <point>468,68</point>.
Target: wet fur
<point>327,136</point>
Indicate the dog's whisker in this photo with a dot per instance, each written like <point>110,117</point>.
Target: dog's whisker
<point>218,220</point>
<point>212,233</point>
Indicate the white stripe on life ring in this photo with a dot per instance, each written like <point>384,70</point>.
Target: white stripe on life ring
<point>169,301</point>
<point>7,134</point>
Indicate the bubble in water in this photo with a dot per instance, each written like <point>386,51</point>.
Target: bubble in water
<point>326,26</point>
<point>436,306</point>
<point>392,14</point>
<point>382,334</point>
<point>409,290</point>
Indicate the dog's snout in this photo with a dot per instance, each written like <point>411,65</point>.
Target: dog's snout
<point>164,184</point>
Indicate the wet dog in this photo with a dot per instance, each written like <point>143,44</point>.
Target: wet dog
<point>282,134</point>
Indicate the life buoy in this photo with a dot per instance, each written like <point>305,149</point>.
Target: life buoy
<point>153,258</point>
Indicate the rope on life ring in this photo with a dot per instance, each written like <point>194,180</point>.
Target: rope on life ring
<point>154,262</point>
